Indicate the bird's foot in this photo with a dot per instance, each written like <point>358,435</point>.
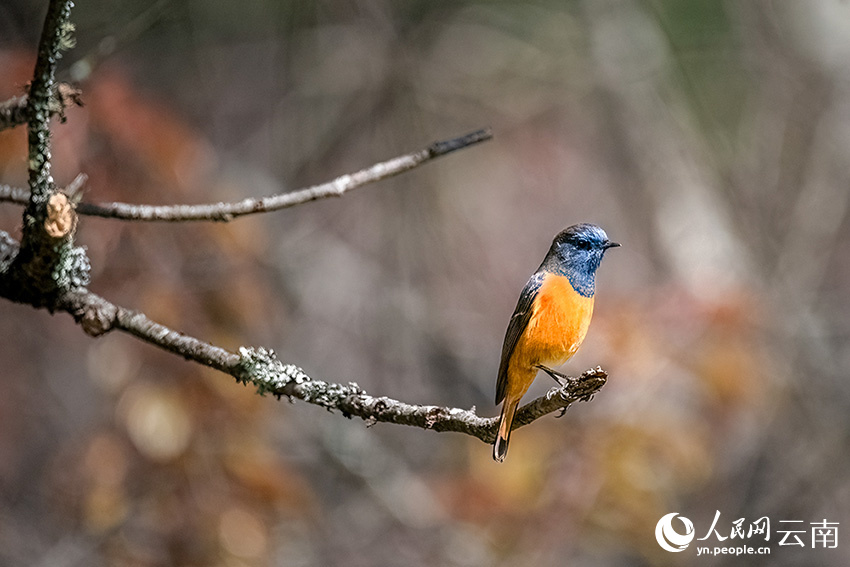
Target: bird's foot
<point>561,379</point>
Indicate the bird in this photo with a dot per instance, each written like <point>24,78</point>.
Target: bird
<point>550,320</point>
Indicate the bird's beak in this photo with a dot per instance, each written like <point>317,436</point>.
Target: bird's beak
<point>610,244</point>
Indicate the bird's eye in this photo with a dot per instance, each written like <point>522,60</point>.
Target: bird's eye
<point>582,244</point>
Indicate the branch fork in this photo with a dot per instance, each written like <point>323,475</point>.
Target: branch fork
<point>46,270</point>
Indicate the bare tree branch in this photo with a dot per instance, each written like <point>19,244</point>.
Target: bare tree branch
<point>55,37</point>
<point>45,270</point>
<point>13,112</point>
<point>229,211</point>
<point>269,375</point>
<point>47,262</point>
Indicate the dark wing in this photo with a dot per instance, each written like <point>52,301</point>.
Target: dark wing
<point>518,323</point>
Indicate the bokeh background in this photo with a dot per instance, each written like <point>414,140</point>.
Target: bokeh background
<point>712,139</point>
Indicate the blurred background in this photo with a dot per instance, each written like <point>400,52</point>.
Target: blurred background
<point>712,139</point>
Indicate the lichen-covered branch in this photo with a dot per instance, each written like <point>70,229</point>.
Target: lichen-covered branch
<point>261,368</point>
<point>47,262</point>
<point>56,36</point>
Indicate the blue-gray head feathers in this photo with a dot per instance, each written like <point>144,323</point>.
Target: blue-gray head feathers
<point>576,253</point>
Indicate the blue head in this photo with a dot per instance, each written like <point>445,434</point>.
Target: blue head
<point>576,253</point>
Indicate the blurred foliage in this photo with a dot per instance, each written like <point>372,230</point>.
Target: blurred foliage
<point>708,137</point>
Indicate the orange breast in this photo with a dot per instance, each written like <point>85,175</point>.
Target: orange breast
<point>557,326</point>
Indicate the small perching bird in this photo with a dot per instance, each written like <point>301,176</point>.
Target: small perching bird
<point>550,320</point>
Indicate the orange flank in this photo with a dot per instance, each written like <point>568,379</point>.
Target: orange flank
<point>550,339</point>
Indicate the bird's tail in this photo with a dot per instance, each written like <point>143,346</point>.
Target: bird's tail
<point>500,446</point>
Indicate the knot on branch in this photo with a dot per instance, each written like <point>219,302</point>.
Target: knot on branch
<point>95,317</point>
<point>96,322</point>
<point>60,216</point>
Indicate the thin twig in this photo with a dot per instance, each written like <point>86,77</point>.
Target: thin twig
<point>13,112</point>
<point>261,368</point>
<point>12,194</point>
<point>21,196</point>
<point>229,211</point>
